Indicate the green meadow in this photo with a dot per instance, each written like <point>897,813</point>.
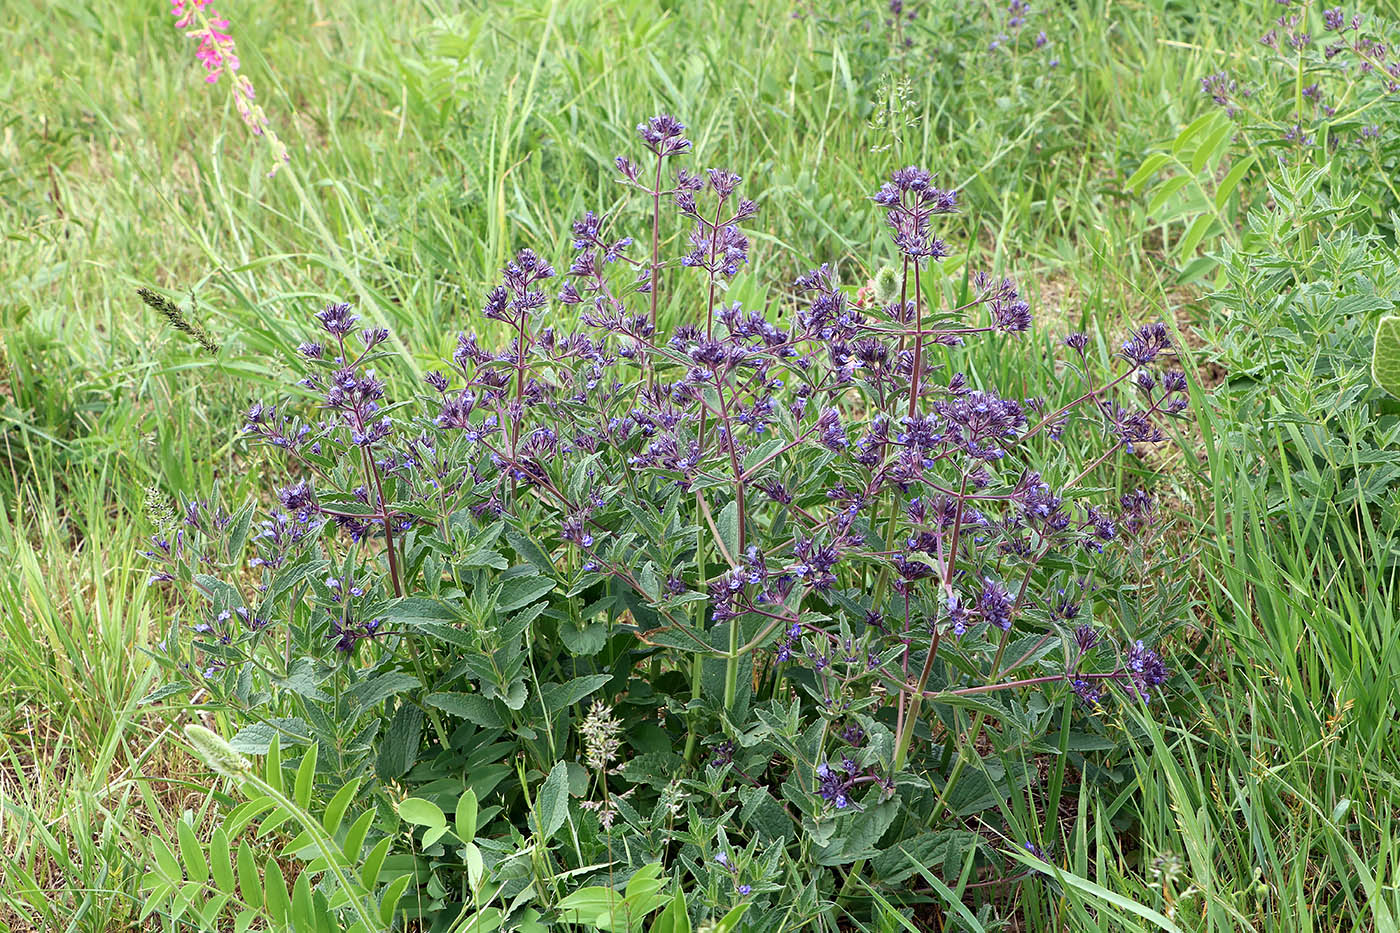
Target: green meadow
<point>427,143</point>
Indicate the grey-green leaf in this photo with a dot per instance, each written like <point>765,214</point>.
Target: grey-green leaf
<point>552,804</point>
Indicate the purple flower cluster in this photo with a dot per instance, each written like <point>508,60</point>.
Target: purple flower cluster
<point>911,202</point>
<point>1342,70</point>
<point>815,473</point>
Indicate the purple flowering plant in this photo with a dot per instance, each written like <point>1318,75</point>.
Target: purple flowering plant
<point>1327,76</point>
<point>1320,90</point>
<point>808,536</point>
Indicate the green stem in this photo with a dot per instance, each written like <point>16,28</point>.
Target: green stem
<point>698,661</point>
<point>731,665</point>
<point>973,735</point>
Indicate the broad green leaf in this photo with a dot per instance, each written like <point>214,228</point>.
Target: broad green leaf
<point>306,777</point>
<point>1195,233</point>
<point>1163,192</point>
<point>1196,269</point>
<point>374,862</point>
<point>192,853</point>
<point>521,591</point>
<point>1150,166</point>
<point>730,921</point>
<point>272,766</point>
<point>392,894</point>
<point>422,812</point>
<point>335,810</point>
<point>561,696</point>
<point>165,860</point>
<point>249,881</point>
<point>1183,140</point>
<point>1385,358</point>
<point>473,707</point>
<point>476,865</point>
<point>355,837</point>
<point>275,886</point>
<point>466,816</point>
<point>1211,146</point>
<point>674,919</point>
<point>1231,181</point>
<point>552,804</point>
<point>303,915</point>
<point>220,863</point>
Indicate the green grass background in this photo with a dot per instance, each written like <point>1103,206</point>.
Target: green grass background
<point>428,141</point>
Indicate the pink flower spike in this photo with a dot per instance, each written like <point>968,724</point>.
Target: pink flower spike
<point>216,54</point>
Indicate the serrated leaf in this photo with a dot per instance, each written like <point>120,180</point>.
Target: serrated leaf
<point>398,746</point>
<point>379,688</point>
<point>561,696</point>
<point>413,609</point>
<point>942,851</point>
<point>650,581</point>
<point>257,738</point>
<point>532,553</point>
<point>163,692</point>
<point>521,591</point>
<point>728,525</point>
<point>552,804</point>
<point>473,707</point>
<point>858,834</point>
<point>302,680</point>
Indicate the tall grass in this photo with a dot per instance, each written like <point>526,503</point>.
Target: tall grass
<point>428,142</point>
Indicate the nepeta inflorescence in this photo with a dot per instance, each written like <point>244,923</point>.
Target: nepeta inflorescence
<point>1348,67</point>
<point>811,485</point>
<point>217,54</point>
